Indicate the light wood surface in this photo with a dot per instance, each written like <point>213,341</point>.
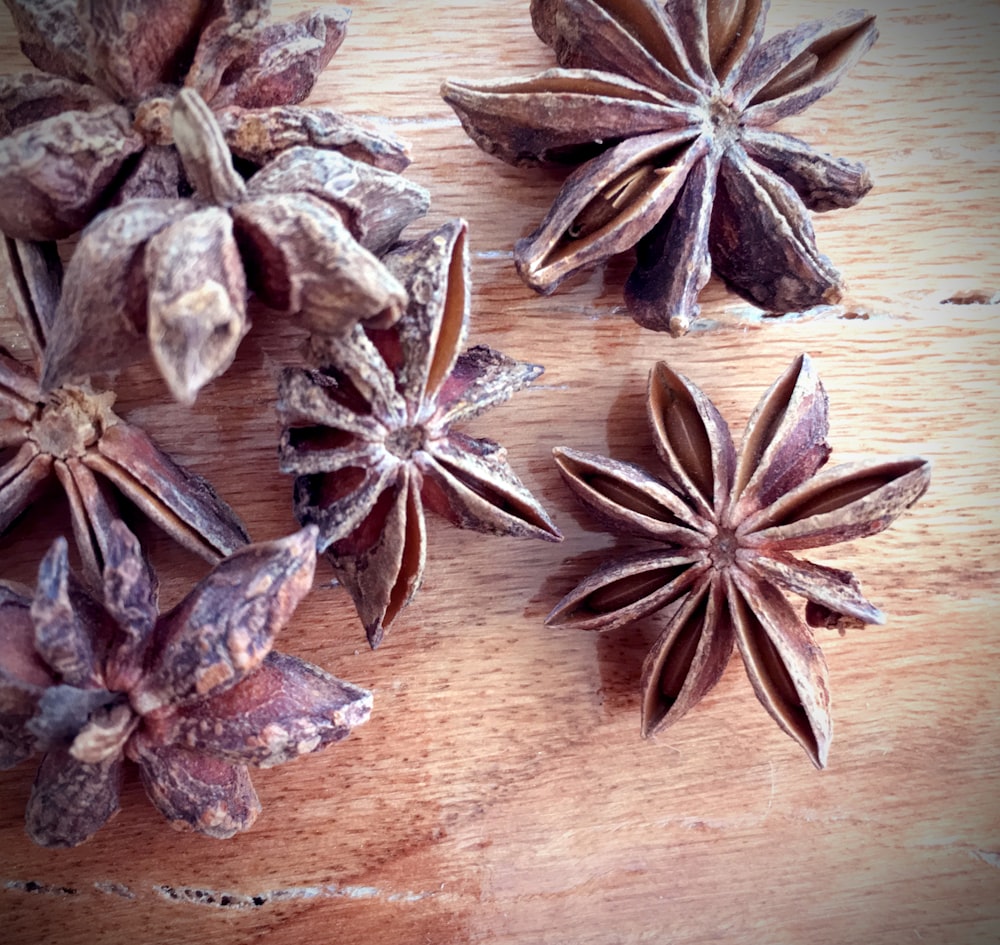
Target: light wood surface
<point>501,792</point>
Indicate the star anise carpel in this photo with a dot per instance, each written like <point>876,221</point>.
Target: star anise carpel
<point>723,528</point>
<point>73,434</point>
<point>666,114</point>
<point>171,275</point>
<point>93,129</point>
<point>369,434</point>
<point>194,696</point>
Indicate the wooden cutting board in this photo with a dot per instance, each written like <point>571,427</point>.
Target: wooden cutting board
<point>501,792</point>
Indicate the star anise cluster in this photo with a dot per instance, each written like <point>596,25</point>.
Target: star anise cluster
<point>722,527</point>
<point>666,114</point>
<point>171,134</point>
<point>368,433</point>
<point>172,274</point>
<point>194,696</point>
<point>143,132</point>
<point>94,127</point>
<point>170,137</point>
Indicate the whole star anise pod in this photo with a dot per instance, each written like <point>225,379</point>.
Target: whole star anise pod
<point>724,526</point>
<point>667,111</point>
<point>73,433</point>
<point>171,275</point>
<point>193,696</point>
<point>95,130</point>
<point>369,434</point>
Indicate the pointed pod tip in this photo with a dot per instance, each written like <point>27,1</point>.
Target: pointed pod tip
<point>918,468</point>
<point>55,561</point>
<point>288,563</point>
<point>454,90</point>
<point>123,545</point>
<point>301,544</point>
<point>819,758</point>
<point>305,536</point>
<point>557,617</point>
<point>550,532</point>
<point>451,231</point>
<point>184,393</point>
<point>375,633</point>
<point>566,457</point>
<point>665,375</point>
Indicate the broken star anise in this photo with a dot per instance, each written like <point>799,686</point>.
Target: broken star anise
<point>725,526</point>
<point>95,130</point>
<point>193,696</point>
<point>667,111</point>
<point>369,434</point>
<point>72,432</point>
<point>171,275</point>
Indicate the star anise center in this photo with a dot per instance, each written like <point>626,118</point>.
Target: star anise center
<point>722,552</point>
<point>724,120</point>
<point>70,422</point>
<point>403,442</point>
<point>106,731</point>
<point>152,121</point>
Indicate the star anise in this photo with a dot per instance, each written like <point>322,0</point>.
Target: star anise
<point>72,432</point>
<point>23,676</point>
<point>193,696</point>
<point>171,275</point>
<point>369,434</point>
<point>725,527</point>
<point>95,130</point>
<point>667,113</point>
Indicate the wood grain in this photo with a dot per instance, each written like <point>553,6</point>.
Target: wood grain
<point>501,792</point>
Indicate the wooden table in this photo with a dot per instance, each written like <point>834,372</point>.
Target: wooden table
<point>501,792</point>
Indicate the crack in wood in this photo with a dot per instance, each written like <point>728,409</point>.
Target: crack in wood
<point>232,900</point>
<point>193,895</point>
<point>973,297</point>
<point>989,857</point>
<point>45,889</point>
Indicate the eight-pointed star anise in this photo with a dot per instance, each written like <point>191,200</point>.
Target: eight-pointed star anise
<point>726,526</point>
<point>171,275</point>
<point>95,130</point>
<point>668,113</point>
<point>73,432</point>
<point>193,696</point>
<point>369,434</point>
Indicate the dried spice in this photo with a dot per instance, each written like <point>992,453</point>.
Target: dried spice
<point>667,111</point>
<point>23,676</point>
<point>369,434</point>
<point>73,433</point>
<point>725,526</point>
<point>171,275</point>
<point>194,696</point>
<point>95,130</point>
